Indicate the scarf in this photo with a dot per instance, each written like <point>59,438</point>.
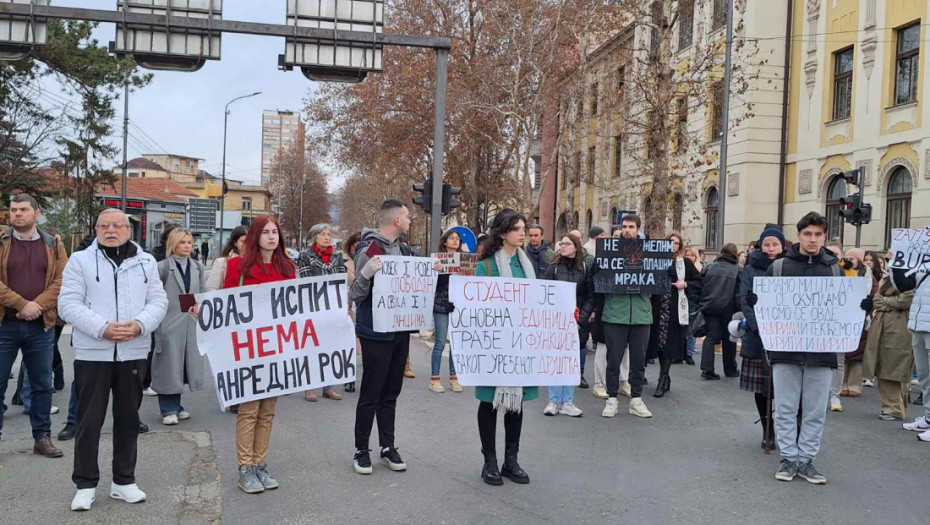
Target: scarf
<point>324,253</point>
<point>682,298</point>
<point>511,397</point>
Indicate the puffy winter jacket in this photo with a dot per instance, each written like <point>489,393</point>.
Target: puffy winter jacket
<point>757,265</point>
<point>95,292</point>
<point>918,320</point>
<point>721,284</point>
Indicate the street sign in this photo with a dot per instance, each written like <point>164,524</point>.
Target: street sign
<point>18,34</point>
<point>202,216</point>
<point>165,47</point>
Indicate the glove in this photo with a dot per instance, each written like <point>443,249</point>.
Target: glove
<point>743,325</point>
<point>752,299</point>
<point>373,266</point>
<point>577,312</point>
<point>866,304</point>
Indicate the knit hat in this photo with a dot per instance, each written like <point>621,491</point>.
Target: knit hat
<point>595,231</point>
<point>772,231</point>
<point>857,253</point>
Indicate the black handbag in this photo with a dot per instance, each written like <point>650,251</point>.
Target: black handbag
<point>698,325</point>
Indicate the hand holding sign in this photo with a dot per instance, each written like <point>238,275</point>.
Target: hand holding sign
<point>403,294</point>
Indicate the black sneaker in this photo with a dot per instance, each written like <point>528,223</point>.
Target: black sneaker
<point>787,471</point>
<point>808,472</point>
<point>68,432</point>
<point>709,375</point>
<point>391,459</point>
<point>362,462</point>
<point>583,384</point>
<point>143,428</point>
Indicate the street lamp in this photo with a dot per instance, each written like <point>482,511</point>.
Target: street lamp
<point>223,187</point>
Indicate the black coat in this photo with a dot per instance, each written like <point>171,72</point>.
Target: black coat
<point>720,287</point>
<point>757,265</point>
<point>799,265</point>
<point>668,339</point>
<point>441,303</point>
<point>568,272</point>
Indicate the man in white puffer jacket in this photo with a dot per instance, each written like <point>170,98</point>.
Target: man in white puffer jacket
<point>113,297</point>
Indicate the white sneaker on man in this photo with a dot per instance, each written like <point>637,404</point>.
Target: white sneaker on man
<point>83,499</point>
<point>551,409</point>
<point>868,382</point>
<point>171,419</point>
<point>925,437</point>
<point>569,409</point>
<point>638,408</point>
<point>919,425</point>
<point>127,493</point>
<point>149,392</point>
<point>599,391</point>
<point>625,389</point>
<point>611,407</point>
<point>54,410</point>
<point>184,414</point>
<point>835,405</point>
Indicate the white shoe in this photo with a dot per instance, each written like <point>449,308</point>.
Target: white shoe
<point>919,425</point>
<point>611,407</point>
<point>551,409</point>
<point>599,391</point>
<point>638,408</point>
<point>868,382</point>
<point>127,493</point>
<point>169,420</point>
<point>149,392</point>
<point>915,382</point>
<point>83,499</point>
<point>925,437</point>
<point>625,390</point>
<point>835,405</point>
<point>184,414</point>
<point>569,409</point>
<point>54,410</point>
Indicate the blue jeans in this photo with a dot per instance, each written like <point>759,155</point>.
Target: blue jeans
<point>583,336</point>
<point>561,394</point>
<point>441,331</point>
<point>72,404</point>
<point>37,345</point>
<point>170,404</point>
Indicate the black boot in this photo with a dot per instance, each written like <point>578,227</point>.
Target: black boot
<point>511,468</point>
<point>58,381</point>
<point>664,384</point>
<point>489,472</point>
<point>768,433</point>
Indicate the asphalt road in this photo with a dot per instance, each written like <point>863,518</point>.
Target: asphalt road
<point>696,461</point>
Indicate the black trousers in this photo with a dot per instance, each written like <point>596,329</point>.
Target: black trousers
<point>487,426</point>
<point>382,379</point>
<point>618,337</point>
<point>717,333</point>
<point>95,380</point>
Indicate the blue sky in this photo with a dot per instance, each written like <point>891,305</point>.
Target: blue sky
<point>182,113</point>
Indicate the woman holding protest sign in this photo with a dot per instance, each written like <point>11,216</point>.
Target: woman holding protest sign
<point>849,383</point>
<point>569,266</point>
<point>321,259</point>
<point>668,339</point>
<point>450,242</point>
<point>176,360</point>
<point>263,260</point>
<point>503,256</point>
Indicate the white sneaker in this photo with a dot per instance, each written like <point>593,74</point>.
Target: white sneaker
<point>551,409</point>
<point>83,499</point>
<point>638,408</point>
<point>625,390</point>
<point>611,407</point>
<point>149,392</point>
<point>569,409</point>
<point>184,414</point>
<point>599,391</point>
<point>127,493</point>
<point>54,410</point>
<point>919,425</point>
<point>915,382</point>
<point>835,405</point>
<point>925,437</point>
<point>868,382</point>
<point>169,420</point>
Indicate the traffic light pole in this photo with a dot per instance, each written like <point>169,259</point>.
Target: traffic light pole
<point>439,149</point>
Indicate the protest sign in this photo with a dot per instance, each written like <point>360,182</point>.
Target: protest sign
<point>513,332</point>
<point>810,314</point>
<point>457,262</point>
<point>633,266</point>
<point>910,249</point>
<point>272,339</point>
<point>403,294</point>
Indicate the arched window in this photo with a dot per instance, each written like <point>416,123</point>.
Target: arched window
<point>835,221</point>
<point>898,203</point>
<point>589,220</point>
<point>574,220</point>
<point>562,225</point>
<point>613,216</point>
<point>710,218</point>
<point>678,209</point>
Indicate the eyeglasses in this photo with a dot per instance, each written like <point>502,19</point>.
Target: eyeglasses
<point>114,225</point>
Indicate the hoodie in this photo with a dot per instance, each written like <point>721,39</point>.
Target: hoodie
<point>371,245</point>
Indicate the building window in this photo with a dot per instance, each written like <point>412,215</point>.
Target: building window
<point>592,164</point>
<point>613,216</point>
<point>898,208</point>
<point>576,172</point>
<point>574,220</point>
<point>682,124</point>
<point>621,84</point>
<point>842,83</point>
<point>618,155</point>
<point>594,99</point>
<point>710,219</point>
<point>678,210</point>
<point>716,130</point>
<point>589,220</point>
<point>719,15</point>
<point>246,203</point>
<point>907,60</point>
<point>685,23</point>
<point>835,221</point>
<point>564,183</point>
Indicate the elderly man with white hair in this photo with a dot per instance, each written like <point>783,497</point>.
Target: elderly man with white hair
<point>113,297</point>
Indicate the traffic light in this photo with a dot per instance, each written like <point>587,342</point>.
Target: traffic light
<point>425,189</point>
<point>849,205</point>
<point>448,203</point>
<point>852,208</point>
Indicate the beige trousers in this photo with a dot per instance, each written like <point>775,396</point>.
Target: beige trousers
<point>600,365</point>
<point>253,430</point>
<point>893,397</point>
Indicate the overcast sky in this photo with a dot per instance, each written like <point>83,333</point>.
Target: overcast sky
<point>182,113</point>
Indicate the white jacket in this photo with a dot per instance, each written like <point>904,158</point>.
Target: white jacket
<point>94,293</point>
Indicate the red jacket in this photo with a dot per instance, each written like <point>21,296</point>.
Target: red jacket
<point>234,272</point>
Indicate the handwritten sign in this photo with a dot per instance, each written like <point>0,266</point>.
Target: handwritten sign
<point>910,249</point>
<point>277,338</point>
<point>403,294</point>
<point>513,332</point>
<point>633,266</point>
<point>457,262</point>
<point>810,314</point>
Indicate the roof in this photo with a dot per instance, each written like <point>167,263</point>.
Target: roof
<point>149,189</point>
<point>170,155</point>
<point>142,164</point>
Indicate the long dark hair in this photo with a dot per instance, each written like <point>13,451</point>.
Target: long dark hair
<point>349,244</point>
<point>230,247</point>
<point>253,253</point>
<point>877,262</point>
<point>579,253</point>
<point>445,237</point>
<point>503,222</point>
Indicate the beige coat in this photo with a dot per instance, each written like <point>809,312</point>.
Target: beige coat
<point>888,352</point>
